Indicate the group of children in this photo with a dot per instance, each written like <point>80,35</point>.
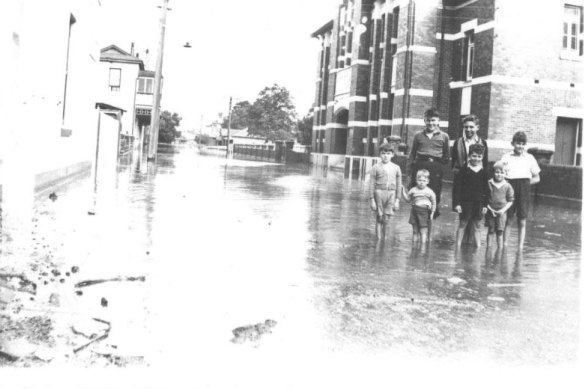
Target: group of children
<point>474,196</point>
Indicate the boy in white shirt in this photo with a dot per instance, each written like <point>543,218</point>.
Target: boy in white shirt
<point>522,171</point>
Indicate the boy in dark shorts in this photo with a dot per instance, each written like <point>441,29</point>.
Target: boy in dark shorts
<point>470,194</point>
<point>501,196</point>
<point>423,201</point>
<point>522,171</point>
<point>386,184</point>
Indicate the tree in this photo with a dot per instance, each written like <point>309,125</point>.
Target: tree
<point>167,130</point>
<point>304,129</point>
<point>239,115</point>
<point>272,115</point>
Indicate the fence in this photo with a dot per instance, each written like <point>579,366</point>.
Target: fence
<point>281,152</point>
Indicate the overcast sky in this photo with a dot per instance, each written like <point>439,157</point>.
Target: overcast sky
<point>238,48</point>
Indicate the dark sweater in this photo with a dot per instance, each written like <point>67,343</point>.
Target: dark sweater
<point>470,186</point>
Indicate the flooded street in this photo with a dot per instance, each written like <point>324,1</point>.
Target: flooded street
<point>200,246</point>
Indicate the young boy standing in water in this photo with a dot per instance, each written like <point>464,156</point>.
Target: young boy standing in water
<point>423,201</point>
<point>501,196</point>
<point>386,182</point>
<point>469,194</point>
<point>522,171</point>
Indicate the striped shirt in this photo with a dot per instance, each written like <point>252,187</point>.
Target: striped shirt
<point>423,197</point>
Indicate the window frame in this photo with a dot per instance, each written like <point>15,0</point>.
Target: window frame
<point>573,32</point>
<point>112,86</point>
<point>145,90</point>
<point>468,55</point>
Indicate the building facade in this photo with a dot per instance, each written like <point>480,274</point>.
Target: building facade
<point>51,54</point>
<point>126,84</point>
<point>517,65</point>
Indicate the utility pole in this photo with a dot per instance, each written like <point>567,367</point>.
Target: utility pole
<point>155,119</point>
<point>229,129</point>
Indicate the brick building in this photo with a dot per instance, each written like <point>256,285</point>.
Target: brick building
<point>515,64</point>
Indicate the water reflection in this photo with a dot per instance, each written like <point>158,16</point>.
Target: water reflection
<point>246,241</point>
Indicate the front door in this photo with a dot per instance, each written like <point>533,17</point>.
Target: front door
<point>566,137</point>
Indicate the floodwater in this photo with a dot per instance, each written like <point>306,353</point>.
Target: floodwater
<point>224,244</point>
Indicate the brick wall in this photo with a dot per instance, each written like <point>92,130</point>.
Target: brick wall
<point>561,181</point>
<point>529,109</point>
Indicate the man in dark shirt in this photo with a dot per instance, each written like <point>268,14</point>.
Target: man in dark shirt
<point>430,151</point>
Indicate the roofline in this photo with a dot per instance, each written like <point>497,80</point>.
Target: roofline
<point>325,28</point>
<point>108,106</point>
<point>116,47</point>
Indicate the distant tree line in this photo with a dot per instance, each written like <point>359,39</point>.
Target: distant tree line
<point>271,116</point>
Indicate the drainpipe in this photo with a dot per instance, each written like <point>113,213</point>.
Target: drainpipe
<point>407,71</point>
<point>441,61</point>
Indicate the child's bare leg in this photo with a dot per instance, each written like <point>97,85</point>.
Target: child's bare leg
<point>507,231</point>
<point>491,238</point>
<point>500,242</point>
<point>415,234</point>
<point>521,232</point>
<point>477,234</point>
<point>384,225</point>
<point>423,235</point>
<point>460,231</point>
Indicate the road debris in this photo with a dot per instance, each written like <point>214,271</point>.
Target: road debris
<point>83,284</point>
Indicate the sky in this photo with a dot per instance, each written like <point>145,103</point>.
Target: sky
<point>238,48</point>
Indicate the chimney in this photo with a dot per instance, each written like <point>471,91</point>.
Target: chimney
<point>132,49</point>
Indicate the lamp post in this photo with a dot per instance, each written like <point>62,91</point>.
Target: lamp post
<point>229,128</point>
<point>155,119</point>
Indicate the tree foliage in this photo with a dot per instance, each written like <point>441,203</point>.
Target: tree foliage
<point>304,129</point>
<point>167,132</point>
<point>271,116</point>
<point>239,115</point>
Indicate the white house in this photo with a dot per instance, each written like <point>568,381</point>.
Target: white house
<point>50,60</point>
<point>125,84</point>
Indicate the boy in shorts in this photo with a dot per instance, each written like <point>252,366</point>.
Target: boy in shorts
<point>522,171</point>
<point>423,201</point>
<point>501,196</point>
<point>470,194</point>
<point>386,182</point>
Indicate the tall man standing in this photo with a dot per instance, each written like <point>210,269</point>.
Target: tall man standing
<point>430,151</point>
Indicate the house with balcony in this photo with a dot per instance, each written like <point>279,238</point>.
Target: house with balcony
<point>126,84</point>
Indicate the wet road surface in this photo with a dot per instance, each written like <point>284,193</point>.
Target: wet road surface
<point>229,244</point>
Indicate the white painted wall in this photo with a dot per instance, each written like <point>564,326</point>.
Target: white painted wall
<point>124,98</point>
<point>37,46</point>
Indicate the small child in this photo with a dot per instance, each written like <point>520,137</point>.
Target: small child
<point>423,201</point>
<point>522,171</point>
<point>386,181</point>
<point>501,196</point>
<point>470,194</point>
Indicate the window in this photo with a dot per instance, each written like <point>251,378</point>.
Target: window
<point>115,76</point>
<point>468,56</point>
<point>573,33</point>
<point>146,85</point>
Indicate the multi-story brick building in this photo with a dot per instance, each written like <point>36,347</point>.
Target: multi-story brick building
<point>516,64</point>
